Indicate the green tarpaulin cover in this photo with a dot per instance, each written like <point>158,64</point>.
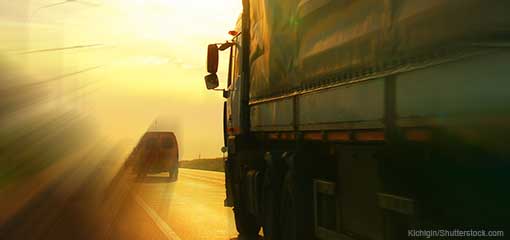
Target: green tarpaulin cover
<point>300,44</point>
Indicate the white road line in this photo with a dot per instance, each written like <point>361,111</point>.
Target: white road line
<point>165,229</point>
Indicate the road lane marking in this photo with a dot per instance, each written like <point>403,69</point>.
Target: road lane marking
<point>207,172</point>
<point>221,182</point>
<point>165,229</point>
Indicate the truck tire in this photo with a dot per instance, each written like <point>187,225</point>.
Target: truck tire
<point>140,175</point>
<point>271,196</point>
<point>246,224</point>
<point>173,174</point>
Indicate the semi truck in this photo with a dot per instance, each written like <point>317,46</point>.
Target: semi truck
<point>366,119</point>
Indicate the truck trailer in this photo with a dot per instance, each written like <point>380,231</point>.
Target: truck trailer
<point>367,119</point>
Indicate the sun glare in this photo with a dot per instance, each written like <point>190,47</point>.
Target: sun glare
<point>148,57</point>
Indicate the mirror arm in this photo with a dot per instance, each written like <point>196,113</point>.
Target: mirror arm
<point>226,92</point>
<point>224,46</point>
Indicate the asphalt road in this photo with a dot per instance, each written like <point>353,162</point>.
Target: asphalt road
<point>98,199</point>
<point>190,208</point>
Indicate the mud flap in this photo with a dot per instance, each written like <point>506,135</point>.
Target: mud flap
<point>254,184</point>
<point>229,200</point>
<point>296,203</point>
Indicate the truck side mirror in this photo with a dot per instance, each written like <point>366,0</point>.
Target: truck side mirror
<point>212,58</point>
<point>211,81</point>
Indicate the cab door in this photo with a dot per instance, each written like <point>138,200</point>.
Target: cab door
<point>233,106</point>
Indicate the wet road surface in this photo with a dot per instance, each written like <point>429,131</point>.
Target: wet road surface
<point>192,207</point>
<point>88,197</point>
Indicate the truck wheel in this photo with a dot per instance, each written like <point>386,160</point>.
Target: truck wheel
<point>246,224</point>
<point>173,174</point>
<point>271,196</point>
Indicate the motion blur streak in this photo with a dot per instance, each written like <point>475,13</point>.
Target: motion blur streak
<point>54,164</point>
<point>57,170</point>
<point>80,82</point>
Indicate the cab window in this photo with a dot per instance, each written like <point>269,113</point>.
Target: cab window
<point>151,142</point>
<point>167,142</point>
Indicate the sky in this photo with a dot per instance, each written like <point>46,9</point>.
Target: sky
<point>125,62</point>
